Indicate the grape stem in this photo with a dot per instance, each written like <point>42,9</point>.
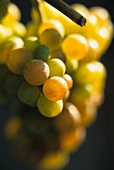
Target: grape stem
<point>68,11</point>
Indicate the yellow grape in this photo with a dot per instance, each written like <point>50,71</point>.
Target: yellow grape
<point>71,66</point>
<point>36,72</point>
<point>51,23</point>
<point>75,46</point>
<point>57,67</point>
<point>49,108</point>
<point>90,72</point>
<point>55,88</point>
<point>12,42</point>
<point>51,38</point>
<point>16,27</point>
<point>54,161</point>
<point>69,80</point>
<point>13,14</point>
<point>17,59</point>
<point>101,13</point>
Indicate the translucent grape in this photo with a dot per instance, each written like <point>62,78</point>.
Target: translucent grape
<point>75,46</point>
<point>41,52</point>
<point>28,94</point>
<point>49,108</point>
<point>36,72</point>
<point>54,24</point>
<point>57,67</point>
<point>90,72</point>
<point>69,80</point>
<point>55,88</point>
<point>17,59</point>
<point>51,38</point>
<point>71,66</point>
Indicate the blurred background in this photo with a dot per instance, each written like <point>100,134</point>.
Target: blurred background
<point>97,152</point>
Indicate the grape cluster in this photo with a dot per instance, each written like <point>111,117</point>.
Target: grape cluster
<point>50,71</point>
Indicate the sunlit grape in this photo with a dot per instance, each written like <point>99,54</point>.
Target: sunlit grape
<point>57,67</point>
<point>51,38</point>
<point>55,88</point>
<point>75,46</point>
<point>90,73</point>
<point>49,108</point>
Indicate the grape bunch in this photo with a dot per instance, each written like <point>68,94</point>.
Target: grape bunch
<point>50,71</point>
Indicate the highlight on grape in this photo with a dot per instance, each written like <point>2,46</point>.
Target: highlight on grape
<point>52,75</point>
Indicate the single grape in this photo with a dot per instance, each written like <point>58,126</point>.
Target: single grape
<point>69,80</point>
<point>13,14</point>
<point>57,67</point>
<point>41,52</point>
<point>49,108</point>
<point>55,88</point>
<point>68,119</point>
<point>54,161</point>
<point>36,72</point>
<point>31,43</point>
<point>75,46</point>
<point>51,38</point>
<point>17,59</point>
<point>71,66</point>
<point>90,72</point>
<point>28,94</point>
<point>52,24</point>
<point>16,27</point>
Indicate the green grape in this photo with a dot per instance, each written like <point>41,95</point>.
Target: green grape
<point>41,52</point>
<point>49,108</point>
<point>91,72</point>
<point>51,38</point>
<point>31,43</point>
<point>17,59</point>
<point>71,66</point>
<point>58,53</point>
<point>3,9</point>
<point>28,94</point>
<point>36,72</point>
<point>57,67</point>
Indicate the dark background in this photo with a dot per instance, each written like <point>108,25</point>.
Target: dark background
<point>97,152</point>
